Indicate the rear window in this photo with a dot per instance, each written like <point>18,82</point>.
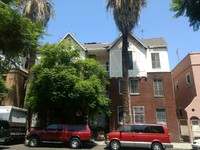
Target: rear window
<point>4,125</point>
<point>157,129</point>
<point>76,127</point>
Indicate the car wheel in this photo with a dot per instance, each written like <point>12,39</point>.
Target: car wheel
<point>34,141</point>
<point>157,146</point>
<point>115,145</point>
<point>75,143</point>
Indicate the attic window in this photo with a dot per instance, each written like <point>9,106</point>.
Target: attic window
<point>155,59</point>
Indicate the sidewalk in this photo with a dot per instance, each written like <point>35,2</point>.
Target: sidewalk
<point>176,146</point>
<point>182,146</point>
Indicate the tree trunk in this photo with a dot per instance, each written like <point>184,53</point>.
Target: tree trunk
<point>126,97</point>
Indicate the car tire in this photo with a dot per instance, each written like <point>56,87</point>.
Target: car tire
<point>156,146</point>
<point>75,143</point>
<point>115,145</point>
<point>34,141</point>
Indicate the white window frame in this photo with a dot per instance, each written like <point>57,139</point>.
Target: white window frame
<point>188,79</point>
<point>155,60</point>
<point>158,87</point>
<point>176,85</point>
<point>134,87</point>
<point>159,118</point>
<point>138,114</point>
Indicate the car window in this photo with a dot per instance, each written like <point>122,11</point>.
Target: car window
<point>142,128</point>
<point>4,125</point>
<point>60,127</point>
<point>76,127</point>
<point>157,129</point>
<point>127,128</point>
<point>54,127</point>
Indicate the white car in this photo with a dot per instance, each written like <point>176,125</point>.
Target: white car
<point>196,144</point>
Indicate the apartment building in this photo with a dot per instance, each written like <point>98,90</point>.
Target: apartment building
<point>151,90</point>
<point>186,77</point>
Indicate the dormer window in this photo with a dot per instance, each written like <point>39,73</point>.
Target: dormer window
<point>155,59</point>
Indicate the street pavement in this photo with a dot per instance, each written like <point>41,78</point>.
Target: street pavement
<point>95,145</point>
<point>176,146</point>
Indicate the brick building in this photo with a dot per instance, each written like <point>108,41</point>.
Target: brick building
<point>16,82</point>
<point>151,90</point>
<point>187,94</point>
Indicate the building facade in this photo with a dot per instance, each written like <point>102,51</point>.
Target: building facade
<point>151,90</point>
<point>186,79</point>
<point>151,93</point>
<point>16,80</point>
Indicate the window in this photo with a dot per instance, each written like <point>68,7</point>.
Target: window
<point>158,87</point>
<point>155,58</point>
<point>52,127</point>
<point>141,128</point>
<point>188,79</point>
<point>176,85</point>
<point>138,114</point>
<point>120,114</point>
<point>157,129</point>
<point>127,128</point>
<point>134,86</point>
<point>130,60</point>
<point>76,127</point>
<point>161,116</point>
<point>120,86</point>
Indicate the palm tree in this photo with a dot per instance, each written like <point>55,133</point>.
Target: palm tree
<point>38,11</point>
<point>126,15</point>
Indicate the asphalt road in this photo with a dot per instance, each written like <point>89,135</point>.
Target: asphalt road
<point>90,146</point>
<point>50,147</point>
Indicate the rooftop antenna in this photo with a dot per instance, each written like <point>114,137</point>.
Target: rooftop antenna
<point>177,53</point>
<point>142,33</point>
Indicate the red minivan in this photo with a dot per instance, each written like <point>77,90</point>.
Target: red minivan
<point>152,136</point>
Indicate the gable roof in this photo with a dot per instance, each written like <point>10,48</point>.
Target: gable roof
<point>70,35</point>
<point>96,46</point>
<point>154,42</point>
<point>131,35</point>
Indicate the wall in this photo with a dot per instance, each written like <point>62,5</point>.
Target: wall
<point>147,99</point>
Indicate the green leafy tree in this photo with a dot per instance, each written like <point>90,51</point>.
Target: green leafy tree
<point>3,89</point>
<point>126,15</point>
<point>17,33</point>
<point>188,8</point>
<point>63,81</point>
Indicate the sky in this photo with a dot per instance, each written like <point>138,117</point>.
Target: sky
<point>89,21</point>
